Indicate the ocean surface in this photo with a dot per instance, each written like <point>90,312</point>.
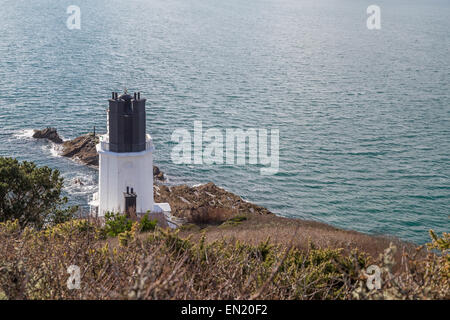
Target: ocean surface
<point>364,115</point>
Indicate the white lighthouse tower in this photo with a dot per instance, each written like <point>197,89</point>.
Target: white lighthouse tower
<point>126,160</point>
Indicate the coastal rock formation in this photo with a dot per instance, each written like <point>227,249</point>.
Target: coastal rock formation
<point>82,148</point>
<point>201,202</point>
<point>48,133</point>
<point>158,174</point>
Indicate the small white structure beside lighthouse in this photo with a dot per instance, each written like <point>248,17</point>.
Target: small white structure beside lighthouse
<point>126,160</point>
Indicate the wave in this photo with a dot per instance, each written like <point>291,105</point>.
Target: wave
<point>27,134</point>
<point>80,184</point>
<point>24,134</point>
<point>48,146</point>
<point>53,148</point>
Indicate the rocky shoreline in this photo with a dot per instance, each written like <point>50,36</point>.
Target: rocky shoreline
<point>222,214</point>
<point>205,203</point>
<point>189,203</point>
<point>81,149</point>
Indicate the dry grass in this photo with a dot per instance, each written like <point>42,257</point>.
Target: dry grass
<point>301,233</point>
<point>33,265</point>
<point>163,265</point>
<point>206,216</point>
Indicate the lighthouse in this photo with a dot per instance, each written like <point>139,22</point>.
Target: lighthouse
<point>126,160</point>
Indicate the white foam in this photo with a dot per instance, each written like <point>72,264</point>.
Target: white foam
<point>198,185</point>
<point>24,134</point>
<point>49,146</point>
<point>53,148</point>
<point>80,184</point>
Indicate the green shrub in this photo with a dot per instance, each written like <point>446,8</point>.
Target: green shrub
<point>146,224</point>
<point>238,218</point>
<point>125,238</point>
<point>189,227</point>
<point>31,194</point>
<point>116,224</point>
<point>234,221</point>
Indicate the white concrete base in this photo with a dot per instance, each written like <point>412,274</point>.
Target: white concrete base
<point>161,207</point>
<point>117,171</point>
<point>166,210</point>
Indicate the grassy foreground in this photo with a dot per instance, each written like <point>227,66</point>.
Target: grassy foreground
<point>207,264</point>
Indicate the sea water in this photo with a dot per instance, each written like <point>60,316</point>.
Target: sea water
<point>363,115</point>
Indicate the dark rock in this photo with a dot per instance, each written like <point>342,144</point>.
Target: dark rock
<point>83,149</point>
<point>158,174</point>
<point>48,133</point>
<point>78,181</point>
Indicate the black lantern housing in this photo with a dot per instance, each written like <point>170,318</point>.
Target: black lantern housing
<point>127,123</point>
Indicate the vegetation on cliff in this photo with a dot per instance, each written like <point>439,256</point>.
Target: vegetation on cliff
<point>224,253</point>
<point>162,265</point>
<point>31,194</point>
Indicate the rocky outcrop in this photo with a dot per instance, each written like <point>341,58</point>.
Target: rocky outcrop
<point>202,203</point>
<point>82,148</point>
<point>207,200</point>
<point>48,133</point>
<point>158,174</point>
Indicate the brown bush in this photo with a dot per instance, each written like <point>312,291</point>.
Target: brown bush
<point>209,215</point>
<point>33,265</point>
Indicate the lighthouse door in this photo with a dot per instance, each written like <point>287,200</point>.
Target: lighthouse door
<point>129,182</point>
